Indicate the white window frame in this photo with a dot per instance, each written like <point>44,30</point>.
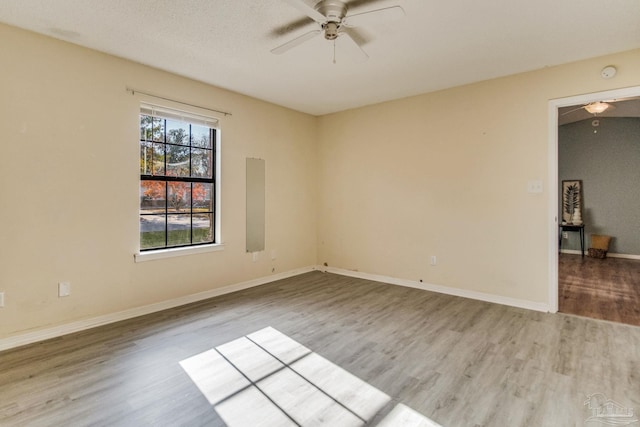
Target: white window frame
<point>196,117</point>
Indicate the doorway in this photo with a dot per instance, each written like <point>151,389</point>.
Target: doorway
<point>580,269</point>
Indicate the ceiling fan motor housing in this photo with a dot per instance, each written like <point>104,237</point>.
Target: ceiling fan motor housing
<point>334,11</point>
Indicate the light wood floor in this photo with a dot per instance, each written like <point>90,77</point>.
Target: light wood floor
<point>607,289</point>
<point>457,361</point>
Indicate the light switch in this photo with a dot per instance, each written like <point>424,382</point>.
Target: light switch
<point>64,289</point>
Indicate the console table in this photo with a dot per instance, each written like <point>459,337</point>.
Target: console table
<point>573,227</point>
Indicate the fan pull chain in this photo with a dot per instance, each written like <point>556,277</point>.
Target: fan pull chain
<point>334,51</point>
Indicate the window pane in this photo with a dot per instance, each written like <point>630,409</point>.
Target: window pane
<point>146,158</point>
<point>145,128</point>
<point>158,129</point>
<point>202,197</point>
<point>202,228</point>
<point>177,132</point>
<point>201,163</point>
<point>152,197</point>
<point>158,159</point>
<point>177,160</point>
<point>179,197</point>
<point>152,231</point>
<point>201,136</point>
<point>174,211</point>
<point>179,229</point>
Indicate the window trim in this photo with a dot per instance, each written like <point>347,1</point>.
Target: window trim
<point>154,254</point>
<point>199,119</point>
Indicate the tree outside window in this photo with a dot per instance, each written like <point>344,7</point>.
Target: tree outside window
<point>176,183</point>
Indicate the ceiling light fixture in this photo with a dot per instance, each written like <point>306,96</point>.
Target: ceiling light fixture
<point>597,107</point>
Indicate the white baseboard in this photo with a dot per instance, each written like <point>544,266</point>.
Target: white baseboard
<point>497,299</point>
<point>572,252</point>
<point>609,254</point>
<point>81,325</point>
<point>626,256</point>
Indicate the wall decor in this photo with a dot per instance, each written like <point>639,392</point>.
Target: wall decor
<point>572,201</point>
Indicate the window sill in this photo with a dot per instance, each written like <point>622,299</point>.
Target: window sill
<point>171,253</point>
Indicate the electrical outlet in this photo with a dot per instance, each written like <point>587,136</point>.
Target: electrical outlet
<point>565,235</point>
<point>534,186</point>
<point>1,299</point>
<point>64,289</point>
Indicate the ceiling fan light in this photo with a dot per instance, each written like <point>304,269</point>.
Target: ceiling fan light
<point>331,30</point>
<point>596,107</point>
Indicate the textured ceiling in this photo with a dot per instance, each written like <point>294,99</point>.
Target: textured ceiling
<point>438,44</point>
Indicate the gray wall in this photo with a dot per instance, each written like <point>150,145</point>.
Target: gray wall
<point>608,163</point>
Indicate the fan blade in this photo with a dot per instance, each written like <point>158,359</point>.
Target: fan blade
<point>295,42</point>
<point>373,17</point>
<point>307,10</point>
<point>610,108</point>
<point>571,111</point>
<point>351,47</point>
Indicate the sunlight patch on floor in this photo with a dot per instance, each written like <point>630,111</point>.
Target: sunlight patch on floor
<point>268,379</point>
<point>404,416</point>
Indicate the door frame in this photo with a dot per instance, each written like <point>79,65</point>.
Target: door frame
<point>554,105</point>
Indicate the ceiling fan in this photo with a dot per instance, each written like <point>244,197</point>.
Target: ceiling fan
<point>334,22</point>
<point>595,108</point>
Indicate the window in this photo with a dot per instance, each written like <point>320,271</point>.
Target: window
<point>177,179</point>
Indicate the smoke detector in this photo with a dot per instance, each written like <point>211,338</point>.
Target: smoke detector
<point>608,72</point>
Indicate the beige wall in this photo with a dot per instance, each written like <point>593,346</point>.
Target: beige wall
<point>446,174</point>
<point>382,187</point>
<point>69,185</point>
